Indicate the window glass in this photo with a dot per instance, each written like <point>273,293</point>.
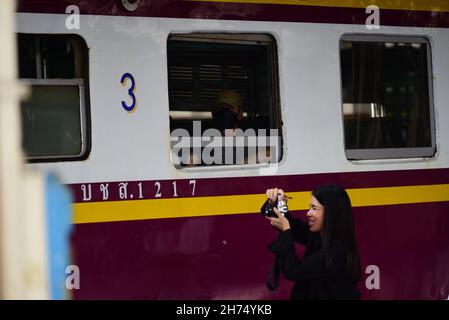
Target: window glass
<point>54,116</point>
<point>27,57</point>
<point>57,58</point>
<point>208,73</point>
<point>386,103</point>
<point>51,121</point>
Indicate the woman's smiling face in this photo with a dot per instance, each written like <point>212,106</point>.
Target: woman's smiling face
<point>315,215</point>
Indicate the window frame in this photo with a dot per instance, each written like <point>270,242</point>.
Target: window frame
<point>261,38</point>
<point>392,153</point>
<point>84,97</point>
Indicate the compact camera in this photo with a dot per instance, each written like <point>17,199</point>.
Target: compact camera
<point>280,204</point>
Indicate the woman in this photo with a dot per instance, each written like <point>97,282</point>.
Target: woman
<point>330,268</point>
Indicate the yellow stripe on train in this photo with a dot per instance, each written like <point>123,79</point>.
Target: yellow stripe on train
<point>108,211</point>
<point>417,5</point>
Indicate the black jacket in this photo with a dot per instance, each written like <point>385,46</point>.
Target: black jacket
<point>312,279</point>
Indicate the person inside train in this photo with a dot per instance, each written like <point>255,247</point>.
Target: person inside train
<point>227,116</point>
<point>227,111</point>
<point>330,267</point>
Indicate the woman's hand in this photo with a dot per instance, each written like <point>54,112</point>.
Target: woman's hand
<point>272,195</point>
<point>280,223</point>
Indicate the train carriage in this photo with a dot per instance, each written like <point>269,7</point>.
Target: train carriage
<point>353,95</point>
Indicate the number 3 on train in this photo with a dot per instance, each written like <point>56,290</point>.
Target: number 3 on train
<point>131,91</point>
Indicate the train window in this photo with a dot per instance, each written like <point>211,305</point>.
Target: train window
<point>54,116</point>
<point>387,97</point>
<point>212,74</point>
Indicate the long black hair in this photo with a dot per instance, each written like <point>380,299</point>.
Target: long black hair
<point>338,224</point>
